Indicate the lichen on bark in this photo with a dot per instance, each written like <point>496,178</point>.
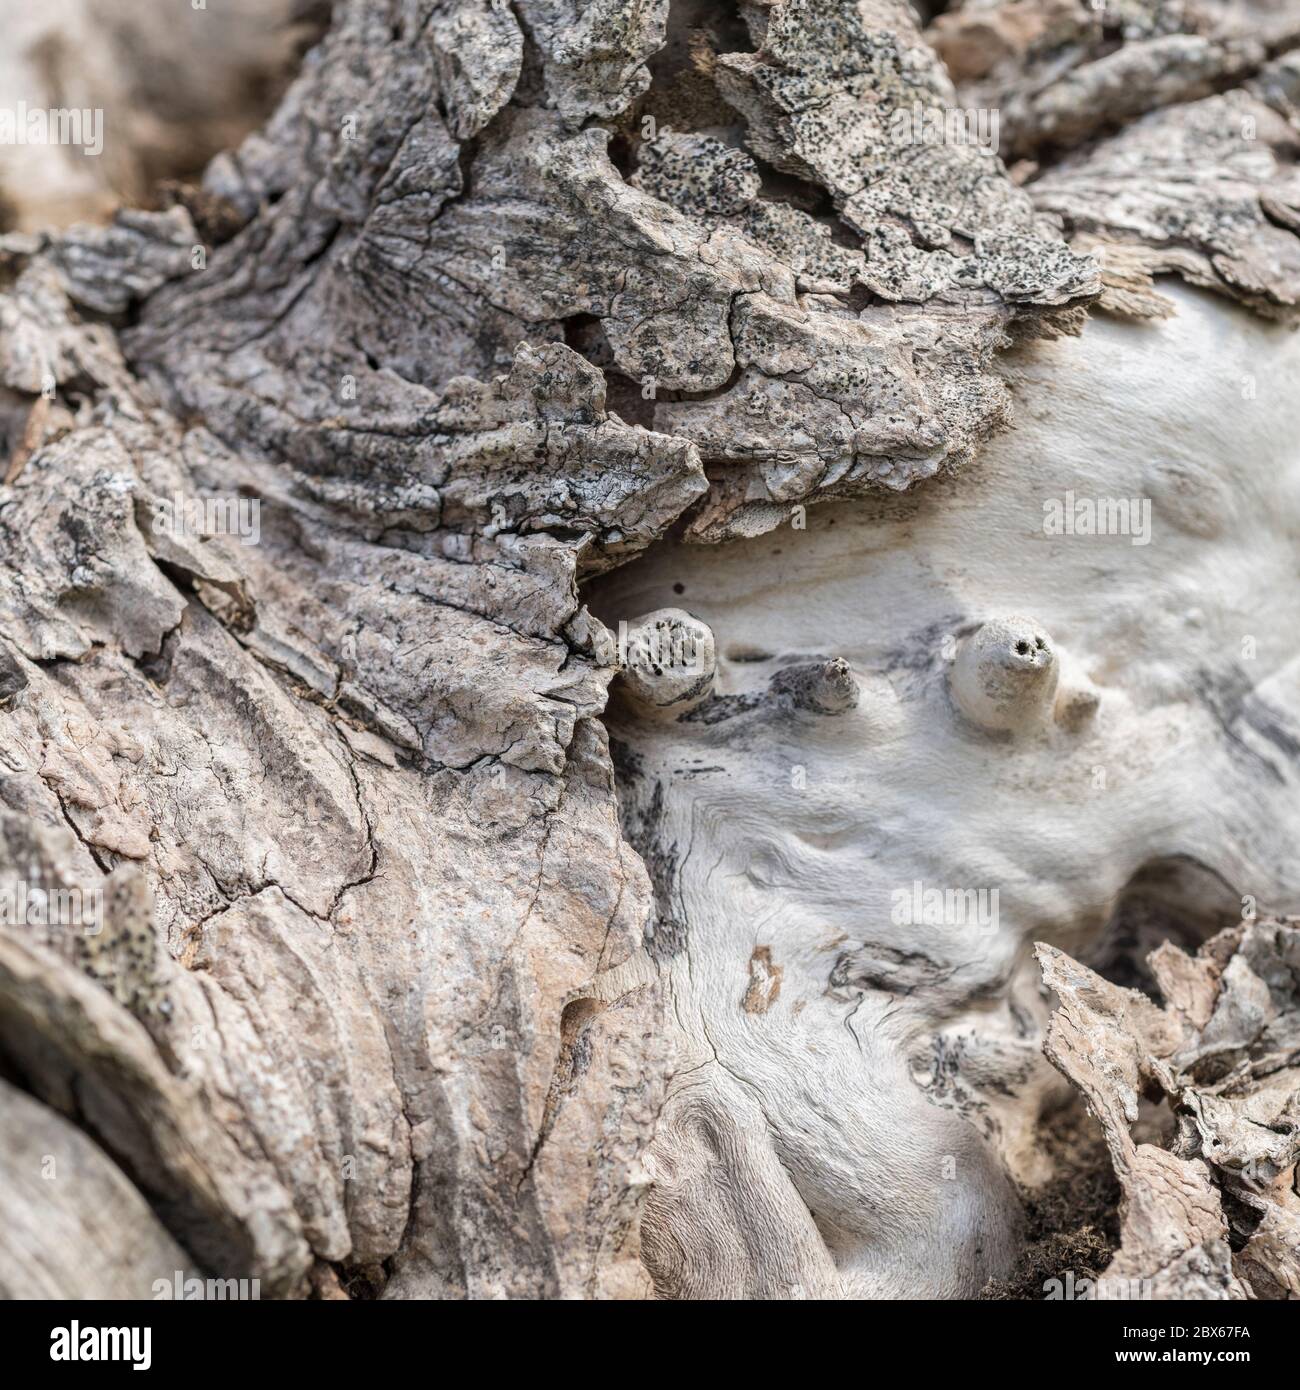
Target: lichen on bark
<point>500,296</point>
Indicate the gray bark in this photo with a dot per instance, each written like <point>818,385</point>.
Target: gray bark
<point>501,295</point>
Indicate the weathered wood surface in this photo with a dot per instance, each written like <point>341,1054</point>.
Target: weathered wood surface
<point>499,296</point>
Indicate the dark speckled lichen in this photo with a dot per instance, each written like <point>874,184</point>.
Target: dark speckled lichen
<point>846,95</point>
<point>697,174</point>
<point>725,314</point>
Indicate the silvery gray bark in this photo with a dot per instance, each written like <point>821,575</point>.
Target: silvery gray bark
<point>500,296</point>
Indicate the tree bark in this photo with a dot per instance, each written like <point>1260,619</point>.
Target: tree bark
<point>501,295</point>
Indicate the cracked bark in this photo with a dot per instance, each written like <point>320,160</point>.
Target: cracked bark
<point>366,1010</point>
